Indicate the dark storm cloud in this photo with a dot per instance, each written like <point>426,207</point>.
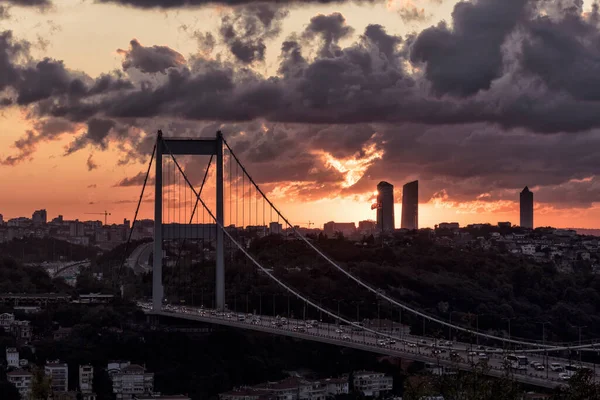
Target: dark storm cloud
<point>4,13</point>
<point>467,57</point>
<point>136,180</point>
<point>245,30</point>
<point>174,4</point>
<point>91,164</point>
<point>385,43</point>
<point>564,54</point>
<point>96,135</point>
<point>150,59</point>
<point>29,3</point>
<point>330,29</point>
<point>355,84</point>
<point>499,77</point>
<point>44,130</point>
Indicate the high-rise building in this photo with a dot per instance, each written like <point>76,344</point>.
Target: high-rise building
<point>86,377</point>
<point>39,217</point>
<point>526,200</point>
<point>385,207</point>
<point>410,205</point>
<point>59,374</point>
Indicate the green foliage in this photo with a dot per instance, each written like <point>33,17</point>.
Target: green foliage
<point>581,387</point>
<point>102,384</point>
<point>17,278</point>
<point>40,387</point>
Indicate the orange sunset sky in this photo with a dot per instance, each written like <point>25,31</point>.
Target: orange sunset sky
<point>468,173</point>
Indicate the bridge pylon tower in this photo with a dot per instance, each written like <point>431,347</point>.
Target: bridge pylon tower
<point>200,147</point>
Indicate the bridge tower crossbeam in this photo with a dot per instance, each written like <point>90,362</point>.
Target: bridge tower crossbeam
<point>203,147</point>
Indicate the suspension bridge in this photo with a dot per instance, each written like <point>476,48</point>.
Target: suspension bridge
<point>237,223</point>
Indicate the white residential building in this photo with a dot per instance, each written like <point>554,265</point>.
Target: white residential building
<point>12,357</point>
<point>132,381</point>
<point>22,330</point>
<point>86,377</point>
<point>335,386</point>
<point>6,321</point>
<point>59,376</point>
<point>372,384</point>
<point>23,381</point>
<point>528,249</point>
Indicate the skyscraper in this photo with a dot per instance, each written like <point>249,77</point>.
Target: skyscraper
<point>385,207</point>
<point>410,205</point>
<point>526,200</point>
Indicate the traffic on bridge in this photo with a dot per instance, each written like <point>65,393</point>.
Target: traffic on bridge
<point>533,369</point>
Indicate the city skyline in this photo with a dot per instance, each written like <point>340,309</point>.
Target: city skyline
<point>78,143</point>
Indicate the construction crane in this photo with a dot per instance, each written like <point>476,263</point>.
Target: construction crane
<point>105,213</point>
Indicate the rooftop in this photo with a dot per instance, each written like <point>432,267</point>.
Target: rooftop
<point>19,372</point>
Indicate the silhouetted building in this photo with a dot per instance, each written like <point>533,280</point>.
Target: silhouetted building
<point>526,200</point>
<point>385,207</point>
<point>39,217</point>
<point>345,228</point>
<point>366,227</point>
<point>449,225</point>
<point>410,205</point>
<point>275,228</point>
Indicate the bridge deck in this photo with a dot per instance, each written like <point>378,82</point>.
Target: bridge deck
<point>405,348</point>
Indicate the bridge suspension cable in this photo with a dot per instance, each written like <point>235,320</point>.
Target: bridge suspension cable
<point>307,300</point>
<point>379,292</point>
<point>137,210</point>
<point>265,270</point>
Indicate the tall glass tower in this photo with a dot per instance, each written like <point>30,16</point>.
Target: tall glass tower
<point>526,200</point>
<point>385,207</point>
<point>410,205</point>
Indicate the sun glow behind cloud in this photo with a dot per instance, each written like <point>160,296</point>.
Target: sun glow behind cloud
<point>354,167</point>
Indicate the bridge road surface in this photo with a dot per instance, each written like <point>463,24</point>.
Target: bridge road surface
<point>410,347</point>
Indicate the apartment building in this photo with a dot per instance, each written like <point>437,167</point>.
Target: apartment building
<point>12,357</point>
<point>130,381</point>
<point>372,384</point>
<point>86,377</point>
<point>22,330</point>
<point>59,376</point>
<point>23,381</point>
<point>335,386</point>
<point>6,321</point>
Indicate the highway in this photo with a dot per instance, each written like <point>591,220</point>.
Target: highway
<point>456,355</point>
<point>142,252</point>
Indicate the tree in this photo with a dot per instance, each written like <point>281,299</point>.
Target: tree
<point>581,387</point>
<point>102,384</point>
<point>40,387</point>
<point>8,391</point>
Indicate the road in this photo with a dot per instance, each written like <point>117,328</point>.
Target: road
<point>459,355</point>
<point>142,252</point>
